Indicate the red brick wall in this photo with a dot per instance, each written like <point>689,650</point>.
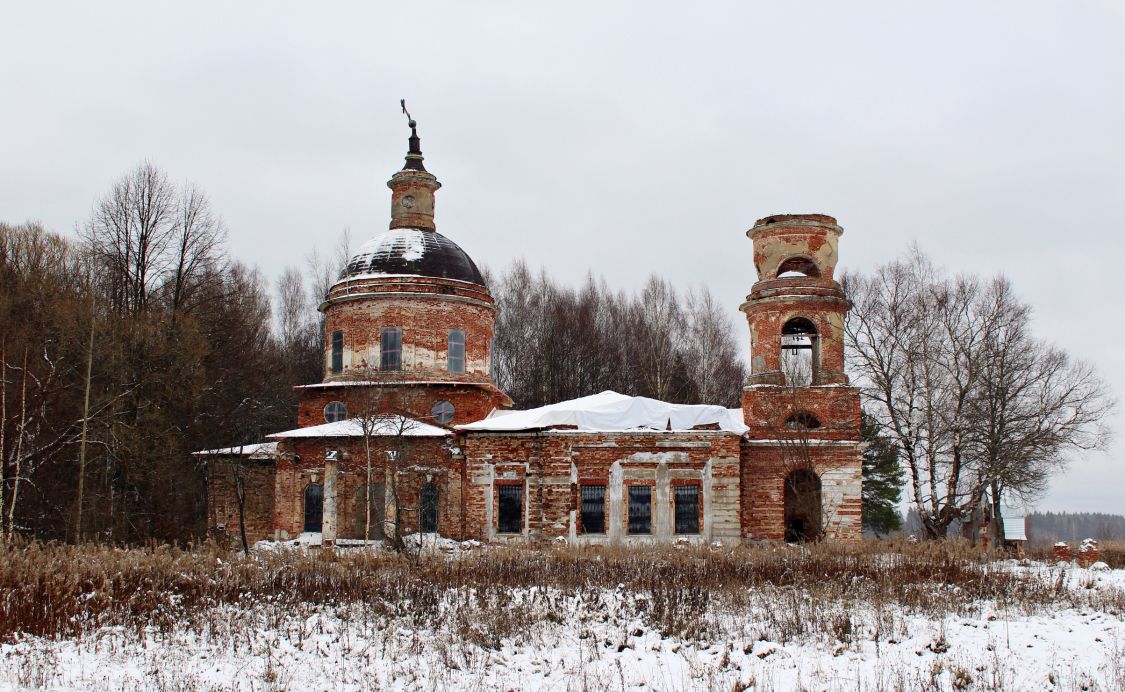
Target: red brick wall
<point>764,469</point>
<point>421,460</point>
<point>222,502</point>
<point>544,463</point>
<point>765,409</point>
<point>425,319</point>
<point>470,402</point>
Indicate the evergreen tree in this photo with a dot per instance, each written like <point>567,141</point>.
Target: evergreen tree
<point>882,480</point>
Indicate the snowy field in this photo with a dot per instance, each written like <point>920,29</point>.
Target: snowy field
<point>1064,630</point>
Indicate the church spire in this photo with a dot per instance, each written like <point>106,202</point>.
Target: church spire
<point>413,188</point>
<point>414,154</point>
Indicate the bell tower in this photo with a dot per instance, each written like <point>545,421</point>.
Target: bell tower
<point>803,451</point>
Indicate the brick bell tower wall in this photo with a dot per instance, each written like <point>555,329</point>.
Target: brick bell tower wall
<point>801,425</point>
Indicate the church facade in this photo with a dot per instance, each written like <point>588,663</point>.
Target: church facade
<point>407,433</point>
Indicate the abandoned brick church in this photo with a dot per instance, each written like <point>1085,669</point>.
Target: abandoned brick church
<point>408,433</point>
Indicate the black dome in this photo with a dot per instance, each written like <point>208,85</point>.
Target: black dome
<point>414,252</point>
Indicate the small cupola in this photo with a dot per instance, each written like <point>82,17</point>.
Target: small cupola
<point>413,188</point>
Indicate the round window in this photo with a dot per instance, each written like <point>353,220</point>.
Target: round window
<point>442,411</point>
<point>335,411</point>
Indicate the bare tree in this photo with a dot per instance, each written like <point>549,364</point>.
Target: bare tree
<point>930,352</point>
<point>1034,404</point>
<point>20,435</point>
<point>131,231</point>
<point>712,354</point>
<point>658,329</point>
<point>197,239</point>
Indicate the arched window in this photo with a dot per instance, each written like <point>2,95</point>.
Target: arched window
<point>428,509</point>
<point>335,411</point>
<point>378,510</point>
<point>390,348</point>
<point>455,351</point>
<point>797,266</point>
<point>337,352</point>
<point>802,506</point>
<point>314,508</point>
<point>799,352</point>
<point>802,421</point>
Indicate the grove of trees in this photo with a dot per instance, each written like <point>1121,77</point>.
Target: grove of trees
<point>121,352</point>
<point>555,343</point>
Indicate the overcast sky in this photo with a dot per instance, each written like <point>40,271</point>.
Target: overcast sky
<point>622,138</point>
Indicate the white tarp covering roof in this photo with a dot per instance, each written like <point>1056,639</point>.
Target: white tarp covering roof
<point>387,426</point>
<point>613,412</point>
<point>260,450</point>
<point>1015,527</point>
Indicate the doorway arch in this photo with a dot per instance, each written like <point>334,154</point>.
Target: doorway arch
<point>314,508</point>
<point>802,506</point>
<point>428,508</point>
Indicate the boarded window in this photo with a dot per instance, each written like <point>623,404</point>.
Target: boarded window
<point>510,519</point>
<point>593,508</point>
<point>337,352</point>
<point>428,509</point>
<point>687,508</point>
<point>390,348</point>
<point>455,354</point>
<point>314,508</point>
<point>640,509</point>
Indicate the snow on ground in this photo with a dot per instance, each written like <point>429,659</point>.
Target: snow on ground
<point>592,643</point>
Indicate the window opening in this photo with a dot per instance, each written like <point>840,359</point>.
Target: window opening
<point>442,411</point>
<point>428,509</point>
<point>337,352</point>
<point>802,421</point>
<point>314,508</point>
<point>687,508</point>
<point>390,348</point>
<point>798,352</point>
<point>640,509</point>
<point>593,508</point>
<point>335,411</point>
<point>455,353</point>
<point>510,519</point>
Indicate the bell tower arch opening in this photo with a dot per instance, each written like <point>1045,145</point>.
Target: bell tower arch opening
<point>799,265</point>
<point>799,352</point>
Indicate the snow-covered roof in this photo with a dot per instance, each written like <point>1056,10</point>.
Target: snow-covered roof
<point>413,252</point>
<point>260,450</point>
<point>387,426</point>
<point>396,383</point>
<point>613,412</point>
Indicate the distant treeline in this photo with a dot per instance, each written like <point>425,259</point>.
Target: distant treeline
<point>1044,528</point>
<point>1050,527</point>
<point>554,342</point>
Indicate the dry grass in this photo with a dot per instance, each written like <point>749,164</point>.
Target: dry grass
<point>57,591</point>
